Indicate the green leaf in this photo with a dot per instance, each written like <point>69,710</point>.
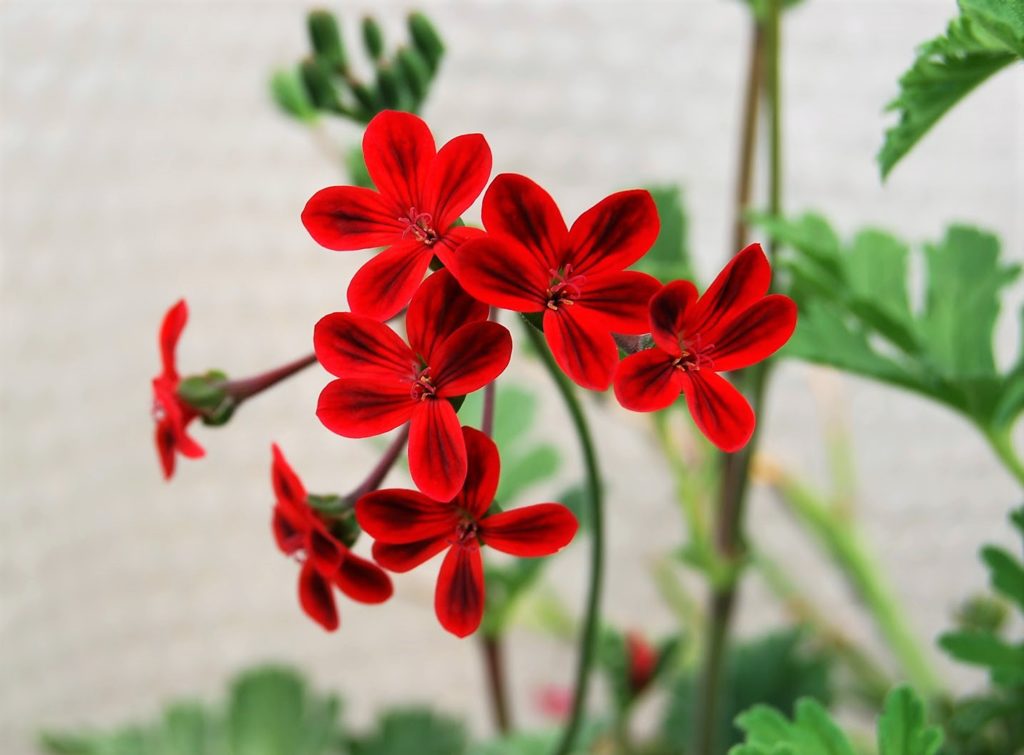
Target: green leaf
<point>413,730</point>
<point>1003,660</point>
<point>1006,573</point>
<point>290,95</point>
<point>1004,19</point>
<point>669,258</point>
<point>902,729</point>
<point>811,732</point>
<point>325,38</point>
<point>426,39</point>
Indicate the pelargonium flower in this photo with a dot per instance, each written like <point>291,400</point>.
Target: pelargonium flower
<point>421,192</point>
<point>733,325</point>
<point>171,414</point>
<point>384,383</point>
<point>409,528</point>
<point>326,561</point>
<point>531,262</point>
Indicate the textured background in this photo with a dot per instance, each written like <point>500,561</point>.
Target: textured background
<point>142,161</point>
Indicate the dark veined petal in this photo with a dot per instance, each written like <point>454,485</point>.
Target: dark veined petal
<point>316,598</point>
<point>502,274</point>
<point>437,452</point>
<point>438,309</point>
<point>352,346</point>
<point>452,241</point>
<point>401,557</point>
<point>289,527</point>
<point>583,348</point>
<point>471,358</point>
<point>361,408</point>
<point>754,334</point>
<point>399,149</point>
<point>718,409</point>
<point>322,550</point>
<point>363,580</point>
<point>483,468</point>
<point>384,285</point>
<point>287,485</point>
<point>519,210</point>
<point>404,516</point>
<point>614,233</point>
<point>619,300</point>
<point>458,174</point>
<point>165,448</point>
<point>647,381</point>
<point>170,331</point>
<point>742,282</point>
<point>671,308</point>
<point>346,218</point>
<point>530,531</point>
<point>459,598</point>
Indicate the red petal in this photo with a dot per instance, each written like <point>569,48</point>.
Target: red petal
<point>458,175</point>
<point>459,599</point>
<point>360,408</point>
<point>401,517</point>
<point>671,308</point>
<point>502,274</point>
<point>483,468</point>
<point>351,346</point>
<point>322,550</point>
<point>718,409</point>
<point>439,308</point>
<point>401,557</point>
<point>398,149</point>
<point>519,210</point>
<point>287,485</point>
<point>316,598</point>
<point>614,233</point>
<point>742,282</point>
<point>344,218</point>
<point>363,580</point>
<point>530,531</point>
<point>584,349</point>
<point>437,452</point>
<point>619,299</point>
<point>382,287</point>
<point>289,528</point>
<point>471,358</point>
<point>452,240</point>
<point>187,446</point>
<point>165,448</point>
<point>170,331</point>
<point>647,381</point>
<point>754,334</point>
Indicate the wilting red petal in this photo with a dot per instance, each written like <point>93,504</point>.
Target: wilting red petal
<point>458,174</point>
<point>165,448</point>
<point>363,580</point>
<point>287,485</point>
<point>518,209</point>
<point>385,284</point>
<point>742,282</point>
<point>289,527</point>
<point>401,557</point>
<point>754,334</point>
<point>322,550</point>
<point>345,218</point>
<point>437,452</point>
<point>718,409</point>
<point>351,346</point>
<point>360,408</point>
<point>502,274</point>
<point>530,531</point>
<point>398,149</point>
<point>647,381</point>
<point>614,233</point>
<point>459,598</point>
<point>471,358</point>
<point>619,300</point>
<point>585,350</point>
<point>170,331</point>
<point>316,598</point>
<point>438,309</point>
<point>483,468</point>
<point>671,308</point>
<point>404,516</point>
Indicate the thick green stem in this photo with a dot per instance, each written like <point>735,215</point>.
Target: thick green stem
<point>1003,446</point>
<point>595,496</point>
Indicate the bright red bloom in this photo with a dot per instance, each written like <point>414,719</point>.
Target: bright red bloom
<point>421,192</point>
<point>410,528</point>
<point>733,325</point>
<point>642,662</point>
<point>530,262</point>
<point>171,414</point>
<point>326,562</point>
<point>384,383</point>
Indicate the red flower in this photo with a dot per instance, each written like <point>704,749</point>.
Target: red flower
<point>733,325</point>
<point>326,562</point>
<point>421,192</point>
<point>642,662</point>
<point>410,528</point>
<point>170,413</point>
<point>530,262</point>
<point>385,383</point>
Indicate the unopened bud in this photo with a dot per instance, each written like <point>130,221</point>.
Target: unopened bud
<point>373,38</point>
<point>318,85</point>
<point>326,39</point>
<point>414,72</point>
<point>426,40</point>
<point>388,86</point>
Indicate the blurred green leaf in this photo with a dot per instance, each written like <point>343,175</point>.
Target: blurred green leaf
<point>1004,660</point>
<point>413,730</point>
<point>902,728</point>
<point>669,258</point>
<point>290,95</point>
<point>811,732</point>
<point>426,39</point>
<point>1006,572</point>
<point>325,39</point>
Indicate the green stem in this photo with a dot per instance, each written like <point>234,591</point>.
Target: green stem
<point>595,496</point>
<point>1003,446</point>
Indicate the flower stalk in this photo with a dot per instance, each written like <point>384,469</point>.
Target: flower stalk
<point>244,388</point>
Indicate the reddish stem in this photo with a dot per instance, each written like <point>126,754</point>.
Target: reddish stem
<point>240,390</point>
<point>379,472</point>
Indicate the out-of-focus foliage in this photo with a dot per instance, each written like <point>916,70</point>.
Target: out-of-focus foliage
<point>669,258</point>
<point>412,730</point>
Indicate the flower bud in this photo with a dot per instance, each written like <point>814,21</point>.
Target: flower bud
<point>388,86</point>
<point>208,396</point>
<point>415,72</point>
<point>318,85</point>
<point>426,40</point>
<point>326,39</point>
<point>373,38</point>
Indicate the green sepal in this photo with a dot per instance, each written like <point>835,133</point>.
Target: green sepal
<point>426,40</point>
<point>373,38</point>
<point>318,83</point>
<point>325,38</point>
<point>329,503</point>
<point>204,392</point>
<point>415,72</point>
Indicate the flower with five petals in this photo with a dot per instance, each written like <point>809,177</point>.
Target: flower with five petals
<point>171,414</point>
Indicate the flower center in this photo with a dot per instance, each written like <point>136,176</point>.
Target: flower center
<point>565,288</point>
<point>466,532</point>
<point>420,226</point>
<point>423,388</point>
<point>695,356</point>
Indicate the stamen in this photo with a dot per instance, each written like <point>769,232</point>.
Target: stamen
<point>420,225</point>
<point>565,287</point>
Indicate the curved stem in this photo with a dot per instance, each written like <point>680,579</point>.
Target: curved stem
<point>595,497</point>
<point>240,390</point>
<point>380,471</point>
<point>494,663</point>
